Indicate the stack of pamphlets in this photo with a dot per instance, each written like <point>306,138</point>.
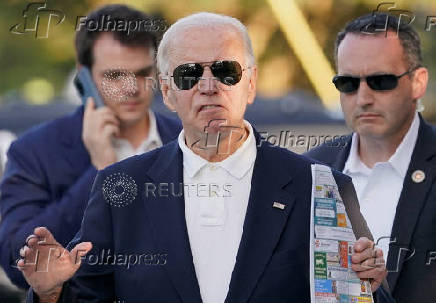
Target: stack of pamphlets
<point>332,279</point>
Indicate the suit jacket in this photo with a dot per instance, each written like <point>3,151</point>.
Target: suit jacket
<point>410,264</point>
<point>272,263</point>
<point>47,182</point>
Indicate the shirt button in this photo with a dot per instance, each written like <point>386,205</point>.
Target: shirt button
<point>213,167</point>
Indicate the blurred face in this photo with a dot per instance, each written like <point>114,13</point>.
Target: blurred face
<point>378,114</point>
<point>209,99</point>
<point>119,72</point>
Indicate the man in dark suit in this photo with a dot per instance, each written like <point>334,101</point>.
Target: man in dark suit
<point>194,221</point>
<point>391,153</point>
<point>51,168</point>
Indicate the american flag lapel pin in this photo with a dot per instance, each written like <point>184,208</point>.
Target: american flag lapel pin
<point>279,205</point>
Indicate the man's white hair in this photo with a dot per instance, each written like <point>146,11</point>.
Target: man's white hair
<point>200,19</point>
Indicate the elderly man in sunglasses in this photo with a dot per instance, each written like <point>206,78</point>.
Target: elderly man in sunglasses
<point>236,230</point>
<point>391,153</point>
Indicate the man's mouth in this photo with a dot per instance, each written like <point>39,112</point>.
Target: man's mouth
<point>209,107</point>
<point>368,115</point>
<point>131,103</point>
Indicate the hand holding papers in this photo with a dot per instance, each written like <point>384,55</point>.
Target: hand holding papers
<point>336,268</point>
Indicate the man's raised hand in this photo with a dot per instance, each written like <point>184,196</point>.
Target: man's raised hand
<point>46,265</point>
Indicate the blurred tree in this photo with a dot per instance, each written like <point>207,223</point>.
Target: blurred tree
<point>24,58</point>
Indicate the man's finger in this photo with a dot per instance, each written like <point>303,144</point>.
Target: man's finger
<point>373,262</point>
<point>32,236</point>
<point>45,236</point>
<point>79,251</point>
<point>104,109</point>
<point>23,251</point>
<point>22,265</point>
<point>90,106</point>
<point>29,254</point>
<point>110,129</point>
<point>362,244</point>
<point>369,264</point>
<point>359,257</point>
<point>375,273</point>
<point>378,252</point>
<point>32,241</point>
<point>109,118</point>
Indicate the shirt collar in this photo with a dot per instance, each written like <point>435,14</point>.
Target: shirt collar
<point>153,134</point>
<point>353,164</point>
<point>237,164</point>
<point>153,139</point>
<point>400,160</point>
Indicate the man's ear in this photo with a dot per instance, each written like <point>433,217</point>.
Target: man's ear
<point>419,83</point>
<point>165,87</point>
<point>252,84</point>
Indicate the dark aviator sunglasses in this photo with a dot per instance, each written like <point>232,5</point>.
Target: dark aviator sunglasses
<point>187,75</point>
<point>382,82</point>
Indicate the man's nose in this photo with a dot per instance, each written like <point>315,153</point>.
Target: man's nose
<point>130,86</point>
<point>208,84</point>
<point>364,94</point>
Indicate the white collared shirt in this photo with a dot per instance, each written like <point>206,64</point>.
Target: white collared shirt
<point>378,189</point>
<point>124,149</point>
<point>216,198</point>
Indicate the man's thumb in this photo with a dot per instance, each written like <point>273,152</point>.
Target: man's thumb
<point>79,251</point>
<point>90,103</point>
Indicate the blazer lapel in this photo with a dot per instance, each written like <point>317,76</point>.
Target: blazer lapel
<point>412,199</point>
<point>75,152</point>
<point>262,226</point>
<point>167,128</point>
<point>342,156</point>
<point>167,215</point>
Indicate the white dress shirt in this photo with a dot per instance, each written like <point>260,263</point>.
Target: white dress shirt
<point>216,198</point>
<point>378,189</point>
<point>123,148</point>
<point>6,138</point>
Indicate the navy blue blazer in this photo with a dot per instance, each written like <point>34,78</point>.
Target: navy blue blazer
<point>47,182</point>
<point>411,261</point>
<point>272,263</point>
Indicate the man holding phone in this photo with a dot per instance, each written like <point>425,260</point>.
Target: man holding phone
<point>51,168</point>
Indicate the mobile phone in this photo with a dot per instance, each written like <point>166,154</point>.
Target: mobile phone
<point>86,87</point>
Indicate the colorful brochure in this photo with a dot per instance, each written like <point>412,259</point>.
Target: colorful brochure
<point>332,279</point>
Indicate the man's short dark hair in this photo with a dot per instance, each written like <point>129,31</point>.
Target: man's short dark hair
<point>382,23</point>
<point>86,37</point>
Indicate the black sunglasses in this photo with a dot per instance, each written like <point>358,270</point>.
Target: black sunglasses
<point>188,74</point>
<point>349,84</point>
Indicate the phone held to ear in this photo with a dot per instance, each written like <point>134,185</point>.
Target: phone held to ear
<point>86,87</point>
